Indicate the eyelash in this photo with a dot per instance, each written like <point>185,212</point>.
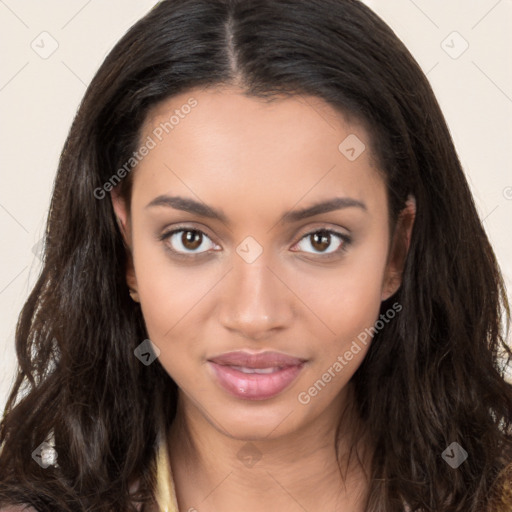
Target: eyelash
<point>345,239</point>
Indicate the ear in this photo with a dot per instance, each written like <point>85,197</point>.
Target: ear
<point>121,212</point>
<point>124,223</point>
<point>399,249</point>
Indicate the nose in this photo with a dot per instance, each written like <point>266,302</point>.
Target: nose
<point>255,302</point>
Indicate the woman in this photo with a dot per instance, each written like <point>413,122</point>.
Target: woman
<point>265,282</point>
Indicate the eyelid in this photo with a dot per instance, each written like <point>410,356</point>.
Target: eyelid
<point>324,227</point>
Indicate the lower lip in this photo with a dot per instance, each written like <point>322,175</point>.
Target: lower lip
<point>254,386</point>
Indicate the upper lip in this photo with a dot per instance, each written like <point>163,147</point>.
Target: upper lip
<point>259,360</point>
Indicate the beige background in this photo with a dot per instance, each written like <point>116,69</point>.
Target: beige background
<point>39,96</point>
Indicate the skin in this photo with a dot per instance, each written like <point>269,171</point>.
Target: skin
<point>256,161</point>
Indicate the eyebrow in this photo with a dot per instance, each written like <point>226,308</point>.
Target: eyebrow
<point>192,206</point>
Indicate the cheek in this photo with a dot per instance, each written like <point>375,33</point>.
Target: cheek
<point>159,296</point>
<point>347,300</point>
<point>170,297</point>
<point>168,290</point>
<point>348,305</point>
<point>175,301</point>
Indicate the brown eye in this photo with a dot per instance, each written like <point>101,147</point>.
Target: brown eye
<point>186,242</point>
<point>191,239</point>
<point>323,241</point>
<point>320,240</point>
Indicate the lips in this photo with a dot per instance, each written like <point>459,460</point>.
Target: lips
<point>255,376</point>
<point>262,360</point>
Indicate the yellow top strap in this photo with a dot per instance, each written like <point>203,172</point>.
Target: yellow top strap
<point>165,492</point>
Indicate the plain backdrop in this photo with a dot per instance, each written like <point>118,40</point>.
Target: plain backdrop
<point>51,50</point>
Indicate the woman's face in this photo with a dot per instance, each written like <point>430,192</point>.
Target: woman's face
<point>258,227</point>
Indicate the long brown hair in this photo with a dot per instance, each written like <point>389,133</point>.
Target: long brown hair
<point>432,377</point>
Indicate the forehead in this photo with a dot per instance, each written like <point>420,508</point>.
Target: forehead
<point>219,141</point>
<point>220,112</point>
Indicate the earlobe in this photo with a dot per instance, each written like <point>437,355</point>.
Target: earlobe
<point>131,279</point>
<point>134,295</point>
<point>399,249</point>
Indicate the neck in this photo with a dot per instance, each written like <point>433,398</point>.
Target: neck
<point>298,470</point>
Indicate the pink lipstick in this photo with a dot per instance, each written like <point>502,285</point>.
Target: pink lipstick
<point>255,376</point>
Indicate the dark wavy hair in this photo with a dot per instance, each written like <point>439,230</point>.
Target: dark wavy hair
<point>433,376</point>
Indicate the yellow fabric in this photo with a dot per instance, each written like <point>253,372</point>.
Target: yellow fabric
<point>165,491</point>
